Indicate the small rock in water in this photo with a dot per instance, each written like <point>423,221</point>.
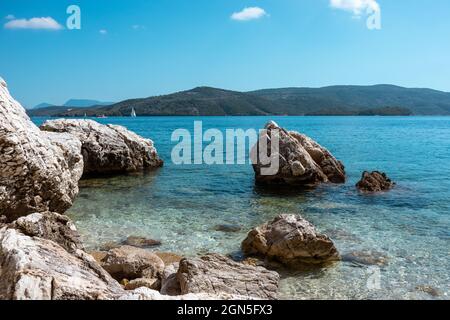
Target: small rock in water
<point>141,242</point>
<point>340,234</point>
<point>229,228</point>
<point>375,182</point>
<point>291,240</point>
<point>430,290</point>
<point>368,258</point>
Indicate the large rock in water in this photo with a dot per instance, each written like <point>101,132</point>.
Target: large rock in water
<point>375,182</point>
<point>108,148</point>
<point>216,274</point>
<point>302,161</point>
<point>38,171</point>
<point>291,240</point>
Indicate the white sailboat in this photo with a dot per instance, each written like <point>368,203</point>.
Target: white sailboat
<point>133,113</point>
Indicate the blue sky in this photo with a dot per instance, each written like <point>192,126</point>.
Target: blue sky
<point>150,47</point>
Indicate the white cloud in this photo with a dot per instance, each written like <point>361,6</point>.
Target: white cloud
<point>103,31</point>
<point>138,27</point>
<point>357,7</point>
<point>249,14</point>
<point>10,17</point>
<point>44,23</point>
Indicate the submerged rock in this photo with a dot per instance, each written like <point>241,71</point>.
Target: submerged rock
<point>432,291</point>
<point>108,148</point>
<point>141,242</point>
<point>132,263</point>
<point>375,182</point>
<point>366,257</point>
<point>302,161</point>
<point>227,228</point>
<point>38,171</point>
<point>215,274</point>
<point>291,240</point>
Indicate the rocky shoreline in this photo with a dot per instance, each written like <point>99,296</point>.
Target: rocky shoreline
<point>42,256</point>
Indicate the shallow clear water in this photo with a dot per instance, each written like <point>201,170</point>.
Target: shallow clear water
<point>182,205</point>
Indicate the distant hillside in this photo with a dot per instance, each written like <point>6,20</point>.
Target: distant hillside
<point>385,111</point>
<point>199,101</point>
<point>42,105</point>
<point>310,100</point>
<point>336,100</point>
<point>76,103</point>
<point>84,103</point>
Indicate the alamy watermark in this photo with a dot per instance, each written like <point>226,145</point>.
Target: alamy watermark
<point>74,20</point>
<point>373,21</point>
<point>236,146</point>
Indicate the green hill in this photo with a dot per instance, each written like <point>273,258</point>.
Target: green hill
<point>359,98</point>
<point>336,100</point>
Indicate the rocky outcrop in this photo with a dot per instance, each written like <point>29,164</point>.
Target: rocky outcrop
<point>108,148</point>
<point>38,171</point>
<point>291,240</point>
<point>132,263</point>
<point>301,160</point>
<point>375,182</point>
<point>215,274</point>
<point>51,226</point>
<point>40,265</point>
<point>34,268</point>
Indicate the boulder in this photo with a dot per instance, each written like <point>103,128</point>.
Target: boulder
<point>301,160</point>
<point>169,282</point>
<point>38,171</point>
<point>33,268</point>
<point>215,274</point>
<point>108,149</point>
<point>132,263</point>
<point>374,182</point>
<point>51,226</point>
<point>291,240</point>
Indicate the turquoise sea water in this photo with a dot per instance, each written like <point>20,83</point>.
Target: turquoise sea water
<point>182,205</point>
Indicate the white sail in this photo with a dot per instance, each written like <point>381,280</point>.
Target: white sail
<point>133,113</point>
